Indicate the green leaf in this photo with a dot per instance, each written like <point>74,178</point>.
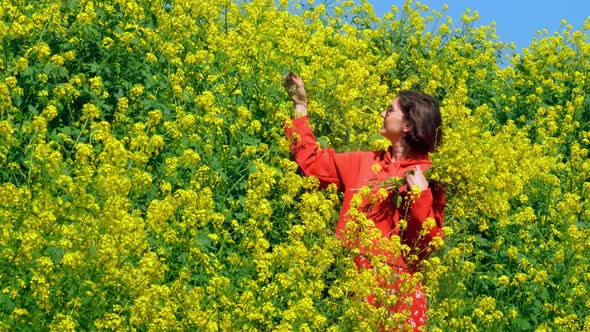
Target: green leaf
<point>6,303</point>
<point>522,324</point>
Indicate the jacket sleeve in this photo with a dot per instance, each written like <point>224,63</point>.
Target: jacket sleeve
<point>420,233</point>
<point>324,164</point>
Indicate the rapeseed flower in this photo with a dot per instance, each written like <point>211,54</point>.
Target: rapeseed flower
<point>144,165</point>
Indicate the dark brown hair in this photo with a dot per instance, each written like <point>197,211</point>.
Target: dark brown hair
<point>422,111</point>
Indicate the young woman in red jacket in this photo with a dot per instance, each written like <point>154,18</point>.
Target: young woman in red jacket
<point>412,122</point>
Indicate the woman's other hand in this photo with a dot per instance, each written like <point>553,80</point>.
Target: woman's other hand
<point>416,178</point>
<point>296,90</point>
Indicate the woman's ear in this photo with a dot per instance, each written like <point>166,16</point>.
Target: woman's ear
<point>406,127</point>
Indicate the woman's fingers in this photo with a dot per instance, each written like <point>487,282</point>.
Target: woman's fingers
<point>291,80</point>
<point>415,177</point>
<point>294,86</point>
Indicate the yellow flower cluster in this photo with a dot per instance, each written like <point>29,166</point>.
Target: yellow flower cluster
<point>145,181</point>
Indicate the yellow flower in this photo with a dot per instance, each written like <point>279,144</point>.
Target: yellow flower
<point>512,252</point>
<point>155,117</point>
<point>62,322</point>
<point>151,58</point>
<point>72,260</point>
<point>376,168</point>
<point>49,112</point>
<point>136,91</point>
<point>90,112</point>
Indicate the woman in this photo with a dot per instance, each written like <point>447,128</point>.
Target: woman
<point>413,211</point>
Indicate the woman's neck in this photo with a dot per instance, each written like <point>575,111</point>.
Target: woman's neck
<point>399,149</point>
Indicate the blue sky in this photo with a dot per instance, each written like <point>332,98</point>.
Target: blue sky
<point>516,20</point>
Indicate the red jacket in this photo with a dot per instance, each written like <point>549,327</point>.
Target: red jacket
<point>353,170</point>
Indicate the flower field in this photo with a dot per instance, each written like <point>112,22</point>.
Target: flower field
<point>146,183</point>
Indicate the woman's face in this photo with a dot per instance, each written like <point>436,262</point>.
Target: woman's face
<point>394,123</point>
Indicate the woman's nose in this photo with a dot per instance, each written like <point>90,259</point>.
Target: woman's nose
<point>383,114</point>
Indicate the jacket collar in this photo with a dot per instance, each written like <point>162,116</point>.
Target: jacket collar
<point>411,158</point>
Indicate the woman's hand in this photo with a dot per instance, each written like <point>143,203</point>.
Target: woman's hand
<point>294,86</point>
<point>416,178</point>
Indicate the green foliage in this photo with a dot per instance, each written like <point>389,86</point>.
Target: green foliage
<point>145,180</point>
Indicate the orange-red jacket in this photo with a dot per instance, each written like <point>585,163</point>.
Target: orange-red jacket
<point>352,170</point>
